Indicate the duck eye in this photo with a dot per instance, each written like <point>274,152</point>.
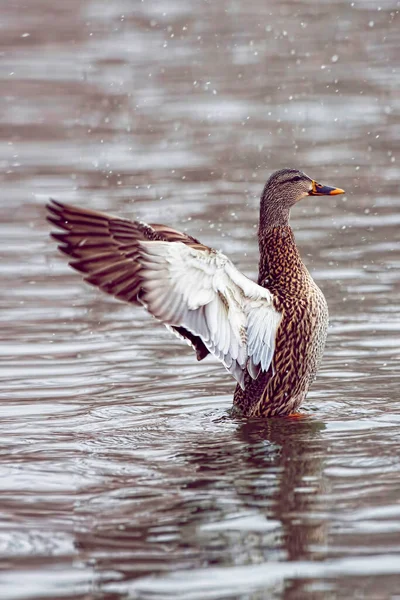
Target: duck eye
<point>296,178</point>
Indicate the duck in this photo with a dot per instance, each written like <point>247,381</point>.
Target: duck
<point>269,335</point>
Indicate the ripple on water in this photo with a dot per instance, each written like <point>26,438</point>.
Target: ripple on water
<point>122,472</point>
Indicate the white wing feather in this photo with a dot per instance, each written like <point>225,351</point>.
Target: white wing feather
<point>203,291</point>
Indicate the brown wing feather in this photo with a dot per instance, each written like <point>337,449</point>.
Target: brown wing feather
<point>105,249</point>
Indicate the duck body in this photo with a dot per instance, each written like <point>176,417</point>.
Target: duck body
<point>301,335</point>
<point>269,335</point>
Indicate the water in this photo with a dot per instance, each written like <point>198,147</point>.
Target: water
<point>122,474</point>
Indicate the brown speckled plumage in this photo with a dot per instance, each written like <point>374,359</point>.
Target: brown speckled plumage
<point>301,335</point>
<point>270,336</point>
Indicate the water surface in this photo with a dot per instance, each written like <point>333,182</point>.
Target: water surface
<point>122,474</point>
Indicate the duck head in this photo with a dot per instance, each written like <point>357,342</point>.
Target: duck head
<point>283,190</point>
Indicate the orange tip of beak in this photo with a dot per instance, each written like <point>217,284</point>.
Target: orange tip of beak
<point>336,191</point>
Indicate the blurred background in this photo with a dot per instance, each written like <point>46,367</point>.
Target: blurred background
<point>122,474</point>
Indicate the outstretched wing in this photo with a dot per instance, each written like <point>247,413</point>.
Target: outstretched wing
<point>184,284</point>
<point>104,249</point>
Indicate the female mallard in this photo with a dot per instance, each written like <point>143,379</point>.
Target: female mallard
<point>270,336</point>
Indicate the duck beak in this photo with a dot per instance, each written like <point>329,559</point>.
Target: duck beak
<point>323,190</point>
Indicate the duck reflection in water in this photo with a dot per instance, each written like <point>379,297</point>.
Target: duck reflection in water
<point>276,471</point>
<point>288,456</point>
<point>247,494</point>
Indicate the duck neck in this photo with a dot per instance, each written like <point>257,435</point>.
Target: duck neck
<point>280,262</point>
<point>272,214</point>
<point>274,210</point>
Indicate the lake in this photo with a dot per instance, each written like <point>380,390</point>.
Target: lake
<point>122,473</point>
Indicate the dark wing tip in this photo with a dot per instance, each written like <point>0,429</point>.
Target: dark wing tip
<point>54,207</point>
<point>56,220</point>
<point>55,213</point>
<point>52,201</point>
<point>58,236</point>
